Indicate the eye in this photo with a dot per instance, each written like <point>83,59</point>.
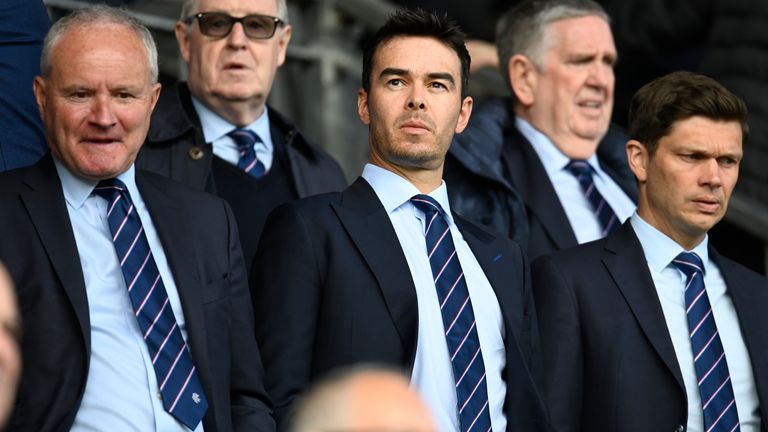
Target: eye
<point>728,161</point>
<point>124,95</point>
<point>395,82</point>
<point>438,85</point>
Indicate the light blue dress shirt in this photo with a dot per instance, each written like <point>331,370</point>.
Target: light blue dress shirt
<point>577,207</point>
<point>121,391</point>
<point>215,130</point>
<point>659,251</point>
<point>432,374</point>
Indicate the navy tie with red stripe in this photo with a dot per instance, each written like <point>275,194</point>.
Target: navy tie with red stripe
<point>246,139</point>
<point>179,384</point>
<point>715,387</point>
<point>605,215</point>
<point>458,319</point>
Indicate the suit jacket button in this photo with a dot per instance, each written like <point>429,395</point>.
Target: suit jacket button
<point>196,153</point>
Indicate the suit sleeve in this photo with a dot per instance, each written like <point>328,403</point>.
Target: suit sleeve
<point>286,299</point>
<point>250,404</point>
<point>561,341</point>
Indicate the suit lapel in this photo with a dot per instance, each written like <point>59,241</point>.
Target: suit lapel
<point>628,267</point>
<point>170,223</point>
<point>531,180</point>
<point>48,211</point>
<point>749,297</point>
<point>370,228</point>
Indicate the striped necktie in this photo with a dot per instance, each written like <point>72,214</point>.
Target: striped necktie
<point>179,384</point>
<point>458,319</point>
<point>605,215</point>
<point>246,139</point>
<point>715,387</point>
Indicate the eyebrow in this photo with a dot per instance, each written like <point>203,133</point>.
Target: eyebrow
<point>405,72</point>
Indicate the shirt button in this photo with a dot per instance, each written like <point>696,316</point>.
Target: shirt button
<point>159,396</point>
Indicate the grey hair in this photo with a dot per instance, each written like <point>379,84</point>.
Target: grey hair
<point>523,28</point>
<point>189,8</point>
<point>98,14</point>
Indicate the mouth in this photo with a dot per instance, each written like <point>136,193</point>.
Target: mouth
<point>234,66</point>
<point>100,140</point>
<point>414,127</point>
<point>591,104</point>
<point>708,205</point>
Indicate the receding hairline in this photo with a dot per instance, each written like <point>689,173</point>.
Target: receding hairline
<point>190,7</point>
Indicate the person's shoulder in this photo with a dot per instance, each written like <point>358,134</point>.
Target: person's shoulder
<point>175,188</point>
<point>173,117</point>
<point>738,271</point>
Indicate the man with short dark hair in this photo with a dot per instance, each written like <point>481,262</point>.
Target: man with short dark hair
<point>135,310</point>
<point>215,132</point>
<point>385,272</point>
<point>543,166</point>
<point>650,329</point>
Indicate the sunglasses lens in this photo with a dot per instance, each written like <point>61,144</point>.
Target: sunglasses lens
<point>215,25</point>
<point>259,27</point>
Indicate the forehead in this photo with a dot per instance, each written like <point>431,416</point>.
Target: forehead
<point>239,7</point>
<point>416,54</point>
<point>103,49</point>
<point>703,134</point>
<point>588,33</point>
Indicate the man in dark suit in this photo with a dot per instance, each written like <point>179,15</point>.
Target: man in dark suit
<point>345,278</point>
<point>650,329</point>
<point>215,131</point>
<point>546,158</point>
<point>135,310</point>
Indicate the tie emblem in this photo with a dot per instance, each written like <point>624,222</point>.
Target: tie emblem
<point>246,139</point>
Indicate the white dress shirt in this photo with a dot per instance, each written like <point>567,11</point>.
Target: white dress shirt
<point>659,251</point>
<point>577,207</point>
<point>215,130</point>
<point>121,391</point>
<point>432,373</point>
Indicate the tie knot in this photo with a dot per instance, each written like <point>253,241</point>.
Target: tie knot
<point>108,188</point>
<point>689,263</point>
<point>579,168</point>
<point>426,204</point>
<point>244,138</point>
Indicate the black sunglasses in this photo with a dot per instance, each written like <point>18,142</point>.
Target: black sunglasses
<point>219,24</point>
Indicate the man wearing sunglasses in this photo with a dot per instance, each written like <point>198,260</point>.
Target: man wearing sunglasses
<point>215,131</point>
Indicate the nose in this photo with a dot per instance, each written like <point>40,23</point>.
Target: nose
<point>416,99</point>
<point>237,37</point>
<point>102,112</point>
<point>711,173</point>
<point>601,75</point>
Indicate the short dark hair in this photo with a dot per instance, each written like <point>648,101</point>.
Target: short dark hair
<point>418,22</point>
<point>658,105</point>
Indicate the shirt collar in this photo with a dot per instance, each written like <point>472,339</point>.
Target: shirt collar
<point>77,189</point>
<point>215,127</point>
<point>551,157</point>
<point>394,191</point>
<point>659,249</point>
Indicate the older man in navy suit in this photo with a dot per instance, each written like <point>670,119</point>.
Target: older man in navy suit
<point>135,310</point>
<point>651,329</point>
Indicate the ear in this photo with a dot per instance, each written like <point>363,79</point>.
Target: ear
<point>38,87</point>
<point>362,107</point>
<point>466,111</point>
<point>637,157</point>
<point>182,37</point>
<point>523,79</point>
<point>154,95</point>
<point>285,38</point>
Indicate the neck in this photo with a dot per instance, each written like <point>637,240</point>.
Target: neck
<point>425,180</point>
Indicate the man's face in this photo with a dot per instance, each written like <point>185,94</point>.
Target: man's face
<point>686,184</point>
<point>97,100</point>
<point>10,357</point>
<point>572,96</point>
<point>414,105</point>
<point>234,69</point>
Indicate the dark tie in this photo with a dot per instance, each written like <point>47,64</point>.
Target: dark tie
<point>179,384</point>
<point>458,319</point>
<point>248,162</point>
<point>709,358</point>
<point>605,215</point>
